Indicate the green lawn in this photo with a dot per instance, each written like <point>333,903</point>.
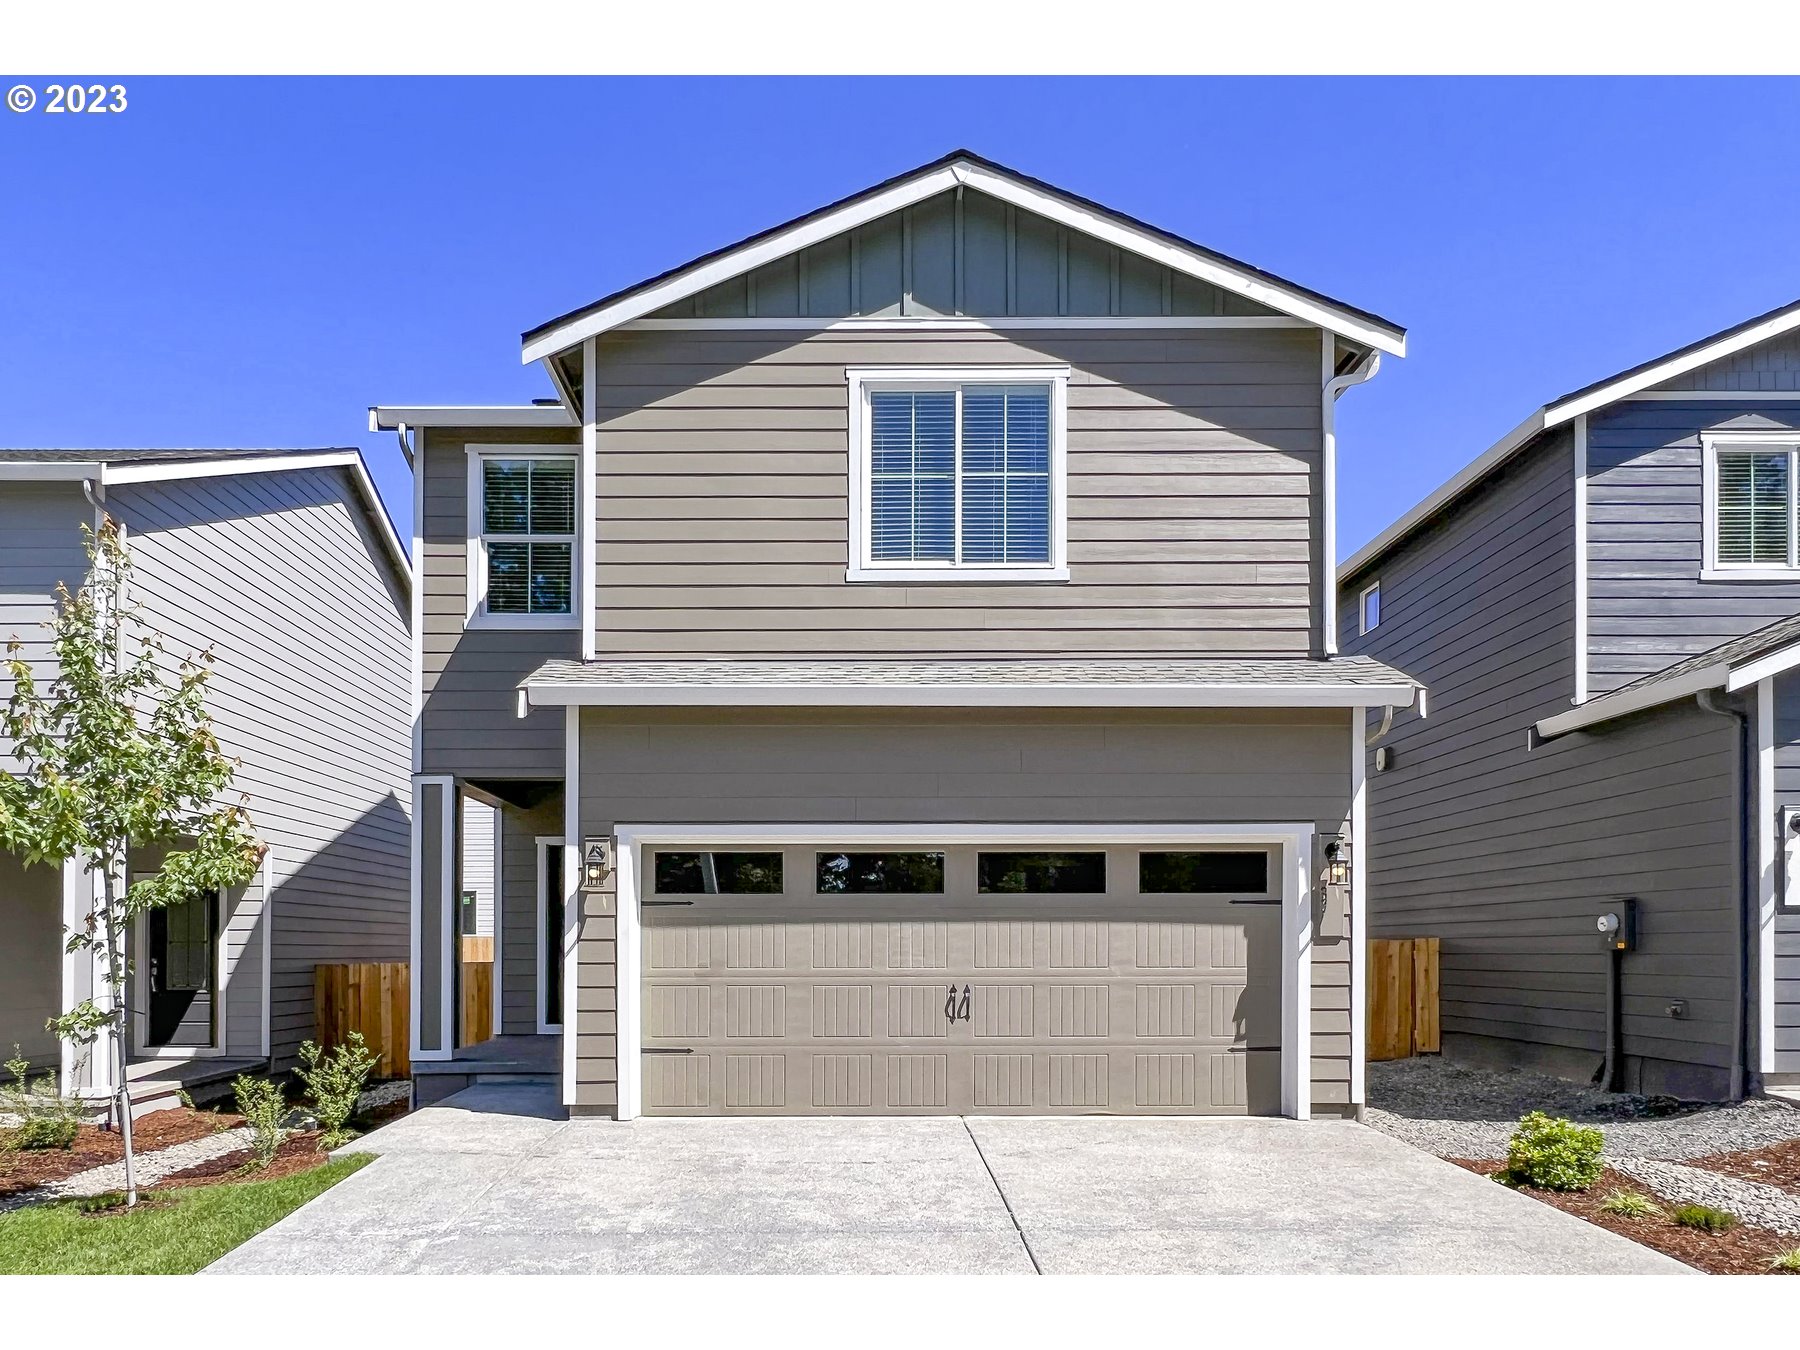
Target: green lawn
<point>202,1224</point>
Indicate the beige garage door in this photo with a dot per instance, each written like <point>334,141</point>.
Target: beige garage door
<point>813,981</point>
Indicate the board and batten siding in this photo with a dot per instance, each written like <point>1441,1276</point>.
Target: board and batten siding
<point>1194,503</point>
<point>1787,919</point>
<point>470,722</point>
<point>1647,604</point>
<point>1772,366</point>
<point>282,576</point>
<point>1508,853</point>
<point>992,766</point>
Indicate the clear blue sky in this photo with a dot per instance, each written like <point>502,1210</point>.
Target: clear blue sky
<point>255,262</point>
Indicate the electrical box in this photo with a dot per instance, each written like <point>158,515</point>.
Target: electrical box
<point>1618,926</point>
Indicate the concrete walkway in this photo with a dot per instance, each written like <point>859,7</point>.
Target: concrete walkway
<point>494,1180</point>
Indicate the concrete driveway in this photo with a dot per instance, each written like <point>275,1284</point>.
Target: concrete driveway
<point>495,1180</point>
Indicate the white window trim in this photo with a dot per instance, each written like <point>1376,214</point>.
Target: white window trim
<point>475,593</point>
<point>138,989</point>
<point>1711,443</point>
<point>544,843</point>
<point>864,378</point>
<point>1362,607</point>
<point>1295,840</point>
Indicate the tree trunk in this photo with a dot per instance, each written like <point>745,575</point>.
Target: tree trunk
<point>115,979</point>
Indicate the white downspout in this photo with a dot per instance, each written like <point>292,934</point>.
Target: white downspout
<point>1334,386</point>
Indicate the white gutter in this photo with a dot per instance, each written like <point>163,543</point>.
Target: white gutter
<point>1611,706</point>
<point>1777,662</point>
<point>1335,385</point>
<point>563,694</point>
<point>494,415</point>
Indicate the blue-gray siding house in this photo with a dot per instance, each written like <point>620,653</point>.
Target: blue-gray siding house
<point>1603,608</point>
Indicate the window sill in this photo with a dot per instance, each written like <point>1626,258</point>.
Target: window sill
<point>1789,574</point>
<point>522,622</point>
<point>955,575</point>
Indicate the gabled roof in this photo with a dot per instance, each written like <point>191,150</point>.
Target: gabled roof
<point>967,169</point>
<point>1670,366</point>
<point>147,466</point>
<point>1175,682</point>
<point>1731,666</point>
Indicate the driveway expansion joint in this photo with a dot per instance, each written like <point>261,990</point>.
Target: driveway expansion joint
<point>1000,1190</point>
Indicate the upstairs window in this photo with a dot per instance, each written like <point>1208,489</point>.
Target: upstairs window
<point>523,560</point>
<point>1751,516</point>
<point>958,476</point>
<point>1371,608</point>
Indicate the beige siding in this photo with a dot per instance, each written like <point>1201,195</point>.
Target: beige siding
<point>1193,498</point>
<point>988,767</point>
<point>471,678</point>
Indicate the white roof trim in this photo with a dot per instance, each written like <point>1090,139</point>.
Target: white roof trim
<point>1004,187</point>
<point>492,415</point>
<point>1477,468</point>
<point>1625,386</point>
<point>565,693</point>
<point>1610,706</point>
<point>1777,662</point>
<point>48,470</point>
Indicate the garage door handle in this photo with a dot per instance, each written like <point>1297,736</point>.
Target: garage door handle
<point>647,903</point>
<point>668,1050</point>
<point>953,1010</point>
<point>1253,902</point>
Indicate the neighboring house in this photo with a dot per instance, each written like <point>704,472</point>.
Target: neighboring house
<point>283,564</point>
<point>914,659</point>
<point>1602,606</point>
<point>480,841</point>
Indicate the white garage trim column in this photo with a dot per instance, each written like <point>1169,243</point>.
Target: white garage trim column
<point>1294,839</point>
<point>1359,939</point>
<point>573,900</point>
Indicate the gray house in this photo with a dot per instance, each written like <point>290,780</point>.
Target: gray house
<point>1603,607</point>
<point>907,677</point>
<point>285,564</point>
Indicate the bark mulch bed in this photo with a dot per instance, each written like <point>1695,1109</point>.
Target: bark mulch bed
<point>1744,1250</point>
<point>1776,1165</point>
<point>22,1169</point>
<point>298,1153</point>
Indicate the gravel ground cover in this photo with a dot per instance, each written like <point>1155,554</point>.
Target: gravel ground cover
<point>150,1167</point>
<point>1459,1112</point>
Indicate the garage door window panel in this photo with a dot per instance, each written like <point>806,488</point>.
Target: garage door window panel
<point>708,873</point>
<point>1208,872</point>
<point>1041,873</point>
<point>880,873</point>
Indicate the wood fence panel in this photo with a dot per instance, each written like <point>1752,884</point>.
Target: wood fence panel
<point>1403,998</point>
<point>1427,1035</point>
<point>477,1001</point>
<point>372,997</point>
<point>478,948</point>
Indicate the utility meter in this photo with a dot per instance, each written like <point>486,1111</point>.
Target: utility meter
<point>1618,927</point>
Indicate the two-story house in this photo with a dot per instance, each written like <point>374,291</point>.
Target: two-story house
<point>1603,606</point>
<point>285,566</point>
<point>904,662</point>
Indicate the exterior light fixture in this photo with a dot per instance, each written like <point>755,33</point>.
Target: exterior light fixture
<point>596,863</point>
<point>1337,862</point>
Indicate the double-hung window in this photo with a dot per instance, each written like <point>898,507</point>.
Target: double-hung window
<point>1752,524</point>
<point>522,539</point>
<point>958,475</point>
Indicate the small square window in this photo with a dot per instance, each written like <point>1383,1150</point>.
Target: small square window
<point>1371,607</point>
<point>1214,872</point>
<point>718,874</point>
<point>881,873</point>
<point>1041,873</point>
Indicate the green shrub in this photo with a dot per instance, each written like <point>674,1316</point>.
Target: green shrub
<point>334,1082</point>
<point>1788,1262</point>
<point>1629,1204</point>
<point>1554,1154</point>
<point>260,1103</point>
<point>47,1119</point>
<point>1705,1218</point>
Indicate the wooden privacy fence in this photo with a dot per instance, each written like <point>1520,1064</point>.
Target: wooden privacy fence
<point>1403,998</point>
<point>375,998</point>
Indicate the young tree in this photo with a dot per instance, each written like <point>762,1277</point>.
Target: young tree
<point>117,752</point>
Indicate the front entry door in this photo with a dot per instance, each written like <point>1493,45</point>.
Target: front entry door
<point>183,958</point>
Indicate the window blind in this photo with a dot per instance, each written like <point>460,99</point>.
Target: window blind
<point>528,521</point>
<point>1755,502</point>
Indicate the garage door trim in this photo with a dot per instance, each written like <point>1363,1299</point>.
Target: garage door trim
<point>1295,840</point>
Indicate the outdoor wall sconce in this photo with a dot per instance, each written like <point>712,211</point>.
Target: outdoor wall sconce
<point>596,863</point>
<point>1337,862</point>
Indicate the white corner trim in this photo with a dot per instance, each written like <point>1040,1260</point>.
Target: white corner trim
<point>587,500</point>
<point>1294,838</point>
<point>416,605</point>
<point>1332,389</point>
<point>573,903</point>
<point>489,415</point>
<point>1768,856</point>
<point>1581,559</point>
<point>542,844</point>
<point>267,917</point>
<point>1610,706</point>
<point>1359,892</point>
<point>1100,224</point>
<point>475,613</point>
<point>562,693</point>
<point>862,380</point>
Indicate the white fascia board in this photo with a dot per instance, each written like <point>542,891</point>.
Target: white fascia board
<point>1185,260</point>
<point>1613,706</point>
<point>554,694</point>
<point>737,262</point>
<point>113,474</point>
<point>50,471</point>
<point>1476,469</point>
<point>905,323</point>
<point>1777,662</point>
<point>1668,370</point>
<point>490,415</point>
